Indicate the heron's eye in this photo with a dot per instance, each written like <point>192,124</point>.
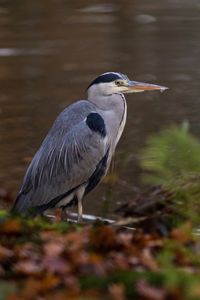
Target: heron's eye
<point>118,82</point>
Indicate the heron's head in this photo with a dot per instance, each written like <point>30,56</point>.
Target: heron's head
<point>118,83</point>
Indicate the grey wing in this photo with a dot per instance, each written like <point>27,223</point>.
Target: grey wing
<point>63,162</point>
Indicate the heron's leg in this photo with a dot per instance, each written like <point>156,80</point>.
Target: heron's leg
<point>80,210</point>
<point>79,195</point>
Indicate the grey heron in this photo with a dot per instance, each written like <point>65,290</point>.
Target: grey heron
<point>77,151</point>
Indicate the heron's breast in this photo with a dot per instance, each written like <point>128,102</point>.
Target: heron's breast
<point>115,120</point>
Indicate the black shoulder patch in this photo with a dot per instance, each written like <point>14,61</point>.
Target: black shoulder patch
<point>96,123</point>
<point>107,77</point>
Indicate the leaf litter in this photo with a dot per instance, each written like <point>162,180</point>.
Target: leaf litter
<point>43,260</point>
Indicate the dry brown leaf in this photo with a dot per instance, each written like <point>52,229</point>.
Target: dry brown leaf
<point>72,284</point>
<point>149,292</point>
<point>31,288</point>
<point>28,267</point>
<point>11,226</point>
<point>95,264</point>
<point>5,253</point>
<point>125,239</point>
<point>27,251</point>
<point>183,234</point>
<point>34,287</point>
<point>15,297</point>
<point>57,296</point>
<point>49,282</point>
<point>62,295</point>
<point>90,294</point>
<point>76,240</point>
<point>54,248</point>
<point>78,258</point>
<point>176,293</point>
<point>158,243</point>
<point>117,292</point>
<point>95,258</point>
<point>120,261</point>
<point>148,260</point>
<point>103,238</point>
<point>182,258</point>
<point>50,235</point>
<point>56,265</point>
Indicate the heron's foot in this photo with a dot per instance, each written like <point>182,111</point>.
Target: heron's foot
<point>80,219</point>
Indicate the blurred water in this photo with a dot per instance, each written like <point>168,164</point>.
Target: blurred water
<point>51,50</point>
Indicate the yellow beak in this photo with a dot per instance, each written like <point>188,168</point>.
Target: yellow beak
<point>135,86</point>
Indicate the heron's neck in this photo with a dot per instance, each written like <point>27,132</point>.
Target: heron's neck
<point>113,102</point>
<point>114,111</point>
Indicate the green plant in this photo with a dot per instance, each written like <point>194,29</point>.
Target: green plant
<point>172,159</point>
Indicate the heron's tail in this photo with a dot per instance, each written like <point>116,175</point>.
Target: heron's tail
<point>21,204</point>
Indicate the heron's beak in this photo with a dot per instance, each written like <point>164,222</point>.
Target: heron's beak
<point>135,87</point>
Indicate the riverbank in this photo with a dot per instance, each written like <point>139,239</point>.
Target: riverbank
<point>40,259</point>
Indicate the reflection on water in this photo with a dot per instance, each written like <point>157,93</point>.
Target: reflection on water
<point>51,50</point>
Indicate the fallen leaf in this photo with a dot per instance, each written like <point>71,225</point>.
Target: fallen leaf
<point>183,233</point>
<point>5,253</point>
<point>56,265</point>
<point>27,251</point>
<point>102,238</point>
<point>148,260</point>
<point>15,297</point>
<point>28,267</point>
<point>54,248</point>
<point>117,292</point>
<point>39,286</point>
<point>182,258</point>
<point>11,226</point>
<point>120,261</point>
<point>72,284</point>
<point>149,292</point>
<point>76,240</point>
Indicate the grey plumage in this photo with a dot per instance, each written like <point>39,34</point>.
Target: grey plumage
<point>64,159</point>
<point>77,151</point>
